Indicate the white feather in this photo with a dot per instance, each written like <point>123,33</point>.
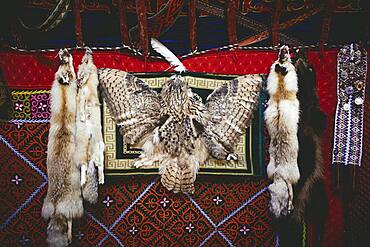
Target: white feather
<point>168,55</point>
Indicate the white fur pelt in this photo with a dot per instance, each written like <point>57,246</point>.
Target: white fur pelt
<point>63,201</point>
<point>90,146</point>
<point>281,117</point>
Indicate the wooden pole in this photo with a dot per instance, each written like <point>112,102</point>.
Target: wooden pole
<point>231,8</point>
<point>325,28</point>
<point>275,23</point>
<point>143,27</point>
<point>192,24</point>
<point>122,9</point>
<point>78,28</point>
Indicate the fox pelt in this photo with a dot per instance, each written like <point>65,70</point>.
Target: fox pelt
<point>89,153</point>
<point>63,200</point>
<point>174,127</point>
<point>281,117</point>
<point>310,203</point>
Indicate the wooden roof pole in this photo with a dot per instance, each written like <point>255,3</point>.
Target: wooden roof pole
<point>192,24</point>
<point>325,28</point>
<point>77,8</point>
<point>275,23</point>
<point>231,8</point>
<point>290,23</point>
<point>122,9</point>
<point>143,27</point>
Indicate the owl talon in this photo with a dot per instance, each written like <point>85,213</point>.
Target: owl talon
<point>231,157</point>
<point>139,163</point>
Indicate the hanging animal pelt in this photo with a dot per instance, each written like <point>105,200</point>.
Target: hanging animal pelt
<point>63,200</point>
<point>90,146</point>
<point>310,203</point>
<point>174,127</point>
<point>281,117</point>
<point>311,127</point>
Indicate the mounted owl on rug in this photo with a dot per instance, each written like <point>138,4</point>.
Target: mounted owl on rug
<point>174,127</point>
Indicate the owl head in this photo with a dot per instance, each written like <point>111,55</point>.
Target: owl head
<point>176,94</point>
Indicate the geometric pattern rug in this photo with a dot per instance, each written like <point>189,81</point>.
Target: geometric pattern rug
<point>131,210</point>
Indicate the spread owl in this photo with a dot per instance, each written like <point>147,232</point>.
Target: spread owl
<point>174,127</point>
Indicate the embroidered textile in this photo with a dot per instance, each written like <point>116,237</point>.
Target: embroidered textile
<point>348,129</point>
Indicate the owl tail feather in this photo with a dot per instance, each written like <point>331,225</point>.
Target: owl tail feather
<point>179,178</point>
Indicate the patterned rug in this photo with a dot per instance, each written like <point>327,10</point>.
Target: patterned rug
<point>131,210</point>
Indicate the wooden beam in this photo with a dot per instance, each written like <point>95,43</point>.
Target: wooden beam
<point>265,34</point>
<point>325,27</point>
<point>143,27</point>
<point>275,22</point>
<point>192,24</point>
<point>231,9</point>
<point>255,38</point>
<point>78,27</point>
<point>122,9</point>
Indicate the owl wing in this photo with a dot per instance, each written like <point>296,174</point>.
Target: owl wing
<point>230,108</point>
<point>134,106</point>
